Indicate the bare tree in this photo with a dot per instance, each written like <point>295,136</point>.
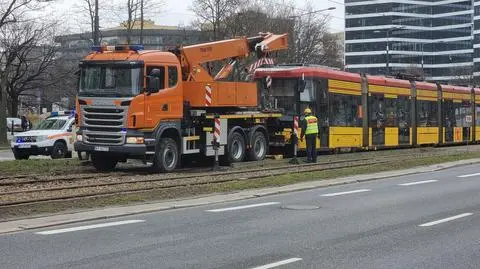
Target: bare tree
<point>30,54</point>
<point>212,14</point>
<point>11,12</point>
<point>93,21</point>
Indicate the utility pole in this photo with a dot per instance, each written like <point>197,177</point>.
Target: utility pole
<point>96,30</point>
<point>141,22</point>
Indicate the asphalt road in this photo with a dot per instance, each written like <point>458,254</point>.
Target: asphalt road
<point>419,221</point>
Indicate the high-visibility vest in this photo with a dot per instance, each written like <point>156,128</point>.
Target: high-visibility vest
<point>312,125</point>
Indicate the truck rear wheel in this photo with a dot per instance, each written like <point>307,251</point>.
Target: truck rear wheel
<point>236,148</point>
<point>103,163</point>
<point>166,156</point>
<point>259,147</point>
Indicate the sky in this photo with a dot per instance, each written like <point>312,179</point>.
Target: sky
<point>176,12</point>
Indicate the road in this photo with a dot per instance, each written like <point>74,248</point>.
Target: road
<point>7,155</point>
<point>419,221</point>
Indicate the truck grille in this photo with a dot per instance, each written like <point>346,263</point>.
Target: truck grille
<point>104,125</point>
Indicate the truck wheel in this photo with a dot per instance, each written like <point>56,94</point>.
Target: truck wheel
<point>59,150</point>
<point>236,148</point>
<point>83,156</point>
<point>103,163</point>
<point>259,147</point>
<point>166,156</point>
<point>20,156</point>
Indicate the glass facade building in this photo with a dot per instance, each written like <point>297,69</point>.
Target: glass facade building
<point>437,39</point>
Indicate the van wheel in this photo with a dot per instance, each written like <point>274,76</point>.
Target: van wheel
<point>59,150</point>
<point>259,147</point>
<point>166,156</point>
<point>236,148</point>
<point>103,163</point>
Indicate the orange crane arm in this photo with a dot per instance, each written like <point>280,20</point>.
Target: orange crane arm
<point>192,57</point>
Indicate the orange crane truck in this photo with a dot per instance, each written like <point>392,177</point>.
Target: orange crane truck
<point>159,106</point>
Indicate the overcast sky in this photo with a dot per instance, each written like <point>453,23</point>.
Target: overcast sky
<point>176,12</point>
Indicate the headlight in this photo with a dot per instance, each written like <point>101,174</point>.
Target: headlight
<point>135,140</point>
<point>80,137</point>
<point>41,138</point>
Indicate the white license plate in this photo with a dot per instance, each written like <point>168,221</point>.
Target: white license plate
<point>98,148</point>
<point>24,146</point>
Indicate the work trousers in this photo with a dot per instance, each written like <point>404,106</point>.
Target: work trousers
<point>311,140</point>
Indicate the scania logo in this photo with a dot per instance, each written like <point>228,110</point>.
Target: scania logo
<point>103,102</point>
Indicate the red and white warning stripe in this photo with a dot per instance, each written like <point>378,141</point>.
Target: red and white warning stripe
<point>217,130</point>
<point>208,95</point>
<point>295,125</point>
<point>260,62</point>
<point>269,81</point>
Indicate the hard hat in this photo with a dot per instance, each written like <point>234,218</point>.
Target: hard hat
<point>307,111</point>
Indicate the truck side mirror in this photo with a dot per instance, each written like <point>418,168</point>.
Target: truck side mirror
<point>301,84</point>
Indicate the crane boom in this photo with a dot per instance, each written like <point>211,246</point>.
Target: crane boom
<point>193,57</point>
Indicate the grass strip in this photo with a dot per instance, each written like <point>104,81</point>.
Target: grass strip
<point>40,166</point>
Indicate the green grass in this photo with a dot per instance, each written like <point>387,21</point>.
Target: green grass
<point>40,166</point>
<point>183,192</point>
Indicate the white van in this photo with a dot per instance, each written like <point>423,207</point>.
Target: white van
<point>53,137</point>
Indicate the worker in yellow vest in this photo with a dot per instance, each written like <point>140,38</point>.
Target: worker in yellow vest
<point>310,131</point>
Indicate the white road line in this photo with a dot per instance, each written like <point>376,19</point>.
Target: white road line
<point>279,263</point>
<point>345,192</point>
<point>242,207</point>
<point>88,227</point>
<point>469,175</point>
<point>445,220</point>
<point>418,182</point>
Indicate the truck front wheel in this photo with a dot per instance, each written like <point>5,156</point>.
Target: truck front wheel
<point>166,156</point>
<point>103,163</point>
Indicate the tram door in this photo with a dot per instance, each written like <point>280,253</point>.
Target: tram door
<point>321,89</point>
<point>403,119</point>
<point>449,120</point>
<point>376,118</point>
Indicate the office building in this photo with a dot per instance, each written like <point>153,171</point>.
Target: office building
<point>433,39</point>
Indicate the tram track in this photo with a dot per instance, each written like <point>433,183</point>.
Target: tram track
<point>36,195</point>
<point>15,191</point>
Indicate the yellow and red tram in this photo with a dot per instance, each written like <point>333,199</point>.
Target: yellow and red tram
<point>371,112</point>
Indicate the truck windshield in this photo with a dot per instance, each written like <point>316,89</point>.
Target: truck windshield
<point>110,80</point>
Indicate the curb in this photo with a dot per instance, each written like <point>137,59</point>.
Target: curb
<point>122,211</point>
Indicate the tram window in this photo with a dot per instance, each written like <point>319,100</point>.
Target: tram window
<point>403,111</point>
<point>477,109</point>
<point>283,90</point>
<point>449,117</point>
<point>308,95</point>
<point>390,112</point>
<point>321,93</point>
<point>427,113</point>
<point>377,112</point>
<point>462,110</point>
<point>344,110</point>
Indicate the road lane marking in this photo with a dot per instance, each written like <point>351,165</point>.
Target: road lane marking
<point>279,263</point>
<point>242,207</point>
<point>418,182</point>
<point>469,175</point>
<point>345,192</point>
<point>88,227</point>
<point>445,220</point>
